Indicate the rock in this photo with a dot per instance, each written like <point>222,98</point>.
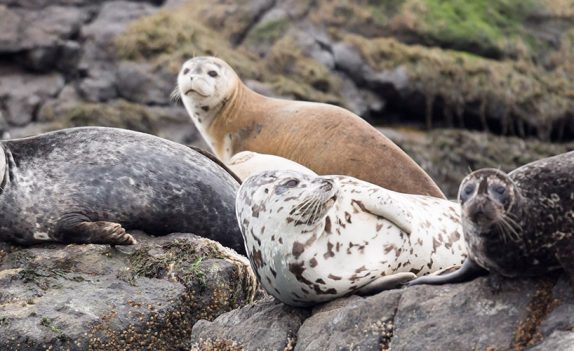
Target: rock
<point>267,325</point>
<point>99,86</point>
<point>355,322</point>
<point>112,19</point>
<point>21,94</point>
<point>99,297</point>
<point>484,314</point>
<point>144,84</point>
<point>30,29</point>
<point>448,155</point>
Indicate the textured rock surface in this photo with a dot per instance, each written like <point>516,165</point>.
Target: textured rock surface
<point>485,314</point>
<point>111,298</point>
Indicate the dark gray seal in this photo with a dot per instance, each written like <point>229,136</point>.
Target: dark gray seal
<point>517,225</point>
<point>87,185</point>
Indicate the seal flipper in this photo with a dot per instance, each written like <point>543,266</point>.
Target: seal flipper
<point>381,204</point>
<point>78,228</point>
<point>467,272</point>
<point>386,282</point>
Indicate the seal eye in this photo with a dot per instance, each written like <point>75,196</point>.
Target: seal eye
<point>212,74</point>
<point>186,71</point>
<point>291,183</point>
<point>468,189</point>
<point>499,189</point>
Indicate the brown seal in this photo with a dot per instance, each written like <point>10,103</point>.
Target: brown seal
<point>325,138</point>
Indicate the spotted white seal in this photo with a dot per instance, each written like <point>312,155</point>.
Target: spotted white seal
<point>311,239</point>
<point>247,163</point>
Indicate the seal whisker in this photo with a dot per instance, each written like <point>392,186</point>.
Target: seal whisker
<point>175,95</point>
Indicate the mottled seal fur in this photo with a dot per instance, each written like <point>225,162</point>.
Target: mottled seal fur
<point>518,224</point>
<point>311,239</point>
<point>87,185</point>
<point>247,163</point>
<point>324,138</point>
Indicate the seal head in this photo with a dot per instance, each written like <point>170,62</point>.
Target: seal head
<point>204,85</point>
<point>488,197</point>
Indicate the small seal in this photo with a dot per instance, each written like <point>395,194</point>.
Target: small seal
<point>325,138</point>
<point>519,224</point>
<point>311,239</point>
<point>247,163</point>
<point>87,185</point>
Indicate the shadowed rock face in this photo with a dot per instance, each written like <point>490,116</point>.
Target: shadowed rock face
<point>484,314</point>
<point>109,298</point>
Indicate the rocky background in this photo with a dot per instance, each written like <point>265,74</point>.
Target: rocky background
<point>458,84</point>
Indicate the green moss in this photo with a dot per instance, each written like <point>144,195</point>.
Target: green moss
<point>269,31</point>
<point>479,24</point>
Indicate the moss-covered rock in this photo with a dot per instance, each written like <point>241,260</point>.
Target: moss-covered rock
<point>449,155</point>
<point>98,297</point>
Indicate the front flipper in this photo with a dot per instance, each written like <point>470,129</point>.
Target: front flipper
<point>78,228</point>
<point>386,282</point>
<point>382,203</point>
<point>467,272</point>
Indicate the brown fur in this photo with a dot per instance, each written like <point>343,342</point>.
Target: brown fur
<point>325,138</point>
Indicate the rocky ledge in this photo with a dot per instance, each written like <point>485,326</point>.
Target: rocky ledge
<point>101,297</point>
<point>485,314</point>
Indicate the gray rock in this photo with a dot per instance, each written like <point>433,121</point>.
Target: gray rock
<point>461,315</point>
<point>266,325</point>
<point>351,323</point>
<point>99,35</point>
<point>484,314</point>
<point>39,4</point>
<point>99,86</point>
<point>144,84</point>
<point>558,341</point>
<point>21,94</point>
<point>29,29</point>
<point>99,297</point>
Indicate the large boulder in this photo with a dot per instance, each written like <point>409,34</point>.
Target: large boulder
<point>484,314</point>
<point>101,297</point>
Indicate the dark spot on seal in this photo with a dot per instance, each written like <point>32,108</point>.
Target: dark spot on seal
<point>297,269</point>
<point>256,258</point>
<point>318,291</point>
<point>313,262</point>
<point>320,281</point>
<point>329,252</point>
<point>273,272</point>
<point>297,249</point>
<point>334,277</point>
<point>205,108</point>
<point>328,225</point>
<point>347,217</point>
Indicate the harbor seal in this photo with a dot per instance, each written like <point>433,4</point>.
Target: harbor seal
<point>247,163</point>
<point>519,224</point>
<point>324,138</point>
<point>87,185</point>
<point>311,239</point>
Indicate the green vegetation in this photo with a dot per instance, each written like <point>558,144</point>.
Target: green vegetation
<point>269,31</point>
<point>489,27</point>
